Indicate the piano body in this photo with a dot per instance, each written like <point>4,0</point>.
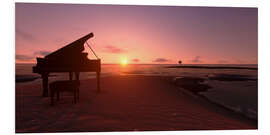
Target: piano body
<point>68,59</point>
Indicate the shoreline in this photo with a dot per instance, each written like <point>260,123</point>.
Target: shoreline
<point>196,86</point>
<point>212,67</point>
<point>197,95</point>
<point>145,96</point>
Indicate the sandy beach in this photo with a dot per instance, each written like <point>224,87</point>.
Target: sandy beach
<point>125,103</point>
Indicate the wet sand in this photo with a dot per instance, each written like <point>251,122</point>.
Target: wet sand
<point>125,103</point>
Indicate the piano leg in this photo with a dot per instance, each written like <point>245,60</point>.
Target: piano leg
<point>70,75</point>
<point>77,75</point>
<point>45,84</point>
<point>98,81</point>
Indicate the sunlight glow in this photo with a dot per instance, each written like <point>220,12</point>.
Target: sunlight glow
<point>124,61</point>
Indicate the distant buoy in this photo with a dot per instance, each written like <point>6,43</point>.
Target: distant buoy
<point>179,62</point>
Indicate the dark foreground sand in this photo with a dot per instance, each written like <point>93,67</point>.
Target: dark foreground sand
<point>125,103</point>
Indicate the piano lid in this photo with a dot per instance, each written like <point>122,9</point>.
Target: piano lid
<point>70,49</point>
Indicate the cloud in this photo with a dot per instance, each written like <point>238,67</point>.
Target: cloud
<point>42,53</point>
<point>197,59</point>
<point>135,60</point>
<point>25,35</point>
<point>23,57</point>
<point>114,49</point>
<point>161,60</point>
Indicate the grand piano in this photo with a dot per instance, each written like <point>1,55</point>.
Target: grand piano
<point>70,59</point>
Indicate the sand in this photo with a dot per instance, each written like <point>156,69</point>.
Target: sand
<point>125,103</point>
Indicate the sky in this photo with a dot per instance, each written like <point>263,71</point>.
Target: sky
<point>140,34</point>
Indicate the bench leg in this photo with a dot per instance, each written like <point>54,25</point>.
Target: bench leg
<point>70,75</point>
<point>78,94</point>
<point>52,96</point>
<point>58,95</point>
<point>75,96</point>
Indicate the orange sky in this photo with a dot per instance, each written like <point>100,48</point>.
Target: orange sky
<point>142,34</point>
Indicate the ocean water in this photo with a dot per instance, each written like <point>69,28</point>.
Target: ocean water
<point>238,96</point>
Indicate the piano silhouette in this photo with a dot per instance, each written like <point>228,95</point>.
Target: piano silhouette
<point>68,59</point>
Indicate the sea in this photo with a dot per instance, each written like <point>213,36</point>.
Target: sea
<point>238,96</point>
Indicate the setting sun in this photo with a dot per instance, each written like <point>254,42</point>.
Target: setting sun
<point>124,61</point>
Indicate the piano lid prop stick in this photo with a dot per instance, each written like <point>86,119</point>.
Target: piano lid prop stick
<point>92,50</point>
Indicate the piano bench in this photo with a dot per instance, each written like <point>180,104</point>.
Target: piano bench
<point>64,86</point>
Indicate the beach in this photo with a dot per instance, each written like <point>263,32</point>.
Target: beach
<point>125,103</point>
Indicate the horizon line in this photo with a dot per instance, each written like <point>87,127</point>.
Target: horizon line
<point>163,63</point>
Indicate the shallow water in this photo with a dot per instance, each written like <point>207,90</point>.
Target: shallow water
<point>239,96</point>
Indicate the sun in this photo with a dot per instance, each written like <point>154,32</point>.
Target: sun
<point>124,61</point>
